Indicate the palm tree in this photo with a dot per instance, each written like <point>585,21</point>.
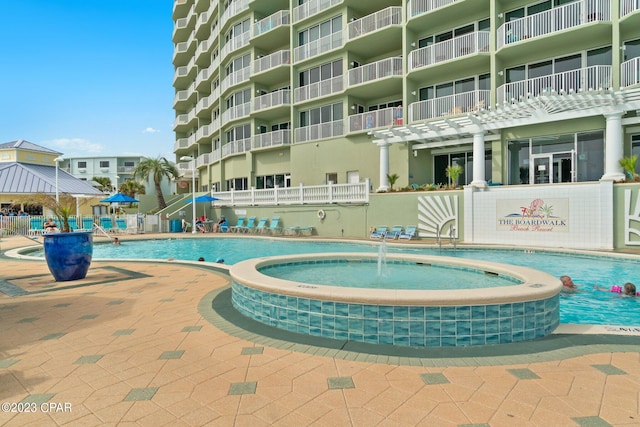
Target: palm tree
<point>453,172</point>
<point>104,181</point>
<point>393,178</point>
<point>628,164</point>
<point>131,188</point>
<point>157,168</point>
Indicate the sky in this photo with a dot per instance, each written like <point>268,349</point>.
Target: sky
<point>88,78</point>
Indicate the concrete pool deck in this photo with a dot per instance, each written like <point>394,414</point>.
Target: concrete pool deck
<point>149,343</point>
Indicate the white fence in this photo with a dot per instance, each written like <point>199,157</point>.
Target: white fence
<point>628,6</point>
<point>456,47</point>
<point>268,62</point>
<point>374,71</point>
<point>319,131</point>
<point>630,72</point>
<point>319,89</point>
<point>312,7</point>
<point>375,21</point>
<point>318,47</point>
<point>466,102</point>
<point>331,193</point>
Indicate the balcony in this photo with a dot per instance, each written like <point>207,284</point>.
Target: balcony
<point>204,160</point>
<point>629,6</point>
<point>319,131</point>
<point>235,78</point>
<point>204,51</point>
<point>185,121</point>
<point>374,22</point>
<point>236,147</point>
<point>457,47</point>
<point>551,21</point>
<point>234,8</point>
<point>630,73</point>
<point>275,27</point>
<point>385,117</point>
<point>203,79</point>
<point>185,50</point>
<point>126,169</point>
<point>375,71</point>
<point>276,138</point>
<point>271,69</point>
<point>183,76</point>
<point>568,82</point>
<point>319,89</point>
<point>182,26</point>
<point>452,105</point>
<point>418,7</point>
<point>311,8</point>
<point>207,131</point>
<point>185,143</point>
<point>237,112</point>
<point>206,104</point>
<point>235,43</point>
<point>318,47</point>
<point>183,97</point>
<point>271,100</point>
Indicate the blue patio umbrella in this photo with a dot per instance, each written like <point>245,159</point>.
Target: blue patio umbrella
<point>119,198</point>
<point>203,199</point>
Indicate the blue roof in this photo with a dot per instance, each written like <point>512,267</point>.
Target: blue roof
<point>24,178</point>
<point>26,145</point>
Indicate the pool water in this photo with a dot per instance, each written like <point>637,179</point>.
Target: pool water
<point>587,307</point>
<point>396,275</point>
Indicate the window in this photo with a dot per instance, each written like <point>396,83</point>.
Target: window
<point>237,30</point>
<point>635,149</point>
<point>239,98</point>
<point>238,133</point>
<point>464,159</point>
<point>631,49</point>
<point>272,181</point>
<point>104,163</point>
<point>82,164</point>
<point>390,104</point>
<point>324,29</point>
<point>129,164</point>
<point>237,184</point>
<point>322,72</point>
<point>482,25</point>
<point>332,178</point>
<point>469,84</point>
<point>238,64</point>
<point>324,114</point>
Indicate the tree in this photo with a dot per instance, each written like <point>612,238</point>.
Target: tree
<point>104,181</point>
<point>628,164</point>
<point>131,188</point>
<point>157,169</point>
<point>393,178</point>
<point>453,172</point>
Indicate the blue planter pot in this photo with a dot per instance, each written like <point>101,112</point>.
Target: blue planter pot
<point>68,255</point>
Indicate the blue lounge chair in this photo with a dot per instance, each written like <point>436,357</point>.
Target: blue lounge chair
<point>36,226</point>
<point>238,226</point>
<point>274,226</point>
<point>121,225</point>
<point>380,232</point>
<point>262,225</point>
<point>409,233</point>
<point>87,223</point>
<point>106,224</point>
<point>395,232</point>
<point>249,227</point>
<point>73,223</point>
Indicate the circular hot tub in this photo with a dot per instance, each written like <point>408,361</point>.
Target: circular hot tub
<point>414,301</point>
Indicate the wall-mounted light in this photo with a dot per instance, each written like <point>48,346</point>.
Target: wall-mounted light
<point>353,64</point>
<point>413,44</point>
<point>415,153</point>
<point>501,73</point>
<point>500,15</point>
<point>413,92</point>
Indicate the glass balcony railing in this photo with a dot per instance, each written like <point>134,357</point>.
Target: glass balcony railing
<point>375,71</point>
<point>454,48</point>
<point>588,78</point>
<point>318,47</point>
<point>319,89</point>
<point>553,20</point>
<point>268,62</point>
<point>629,6</point>
<point>418,7</point>
<point>273,99</point>
<point>374,22</point>
<point>630,72</point>
<point>312,7</point>
<point>276,138</point>
<point>460,103</point>
<point>270,22</point>
<point>319,131</point>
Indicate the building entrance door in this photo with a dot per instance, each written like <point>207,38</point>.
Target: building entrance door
<point>551,168</point>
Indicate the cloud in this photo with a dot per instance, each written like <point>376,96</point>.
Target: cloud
<point>150,130</point>
<point>75,145</point>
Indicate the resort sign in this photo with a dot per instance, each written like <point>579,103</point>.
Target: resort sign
<point>533,215</point>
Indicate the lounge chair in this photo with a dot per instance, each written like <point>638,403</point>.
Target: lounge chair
<point>262,226</point>
<point>380,232</point>
<point>87,223</point>
<point>395,232</point>
<point>36,226</point>
<point>122,227</point>
<point>106,224</point>
<point>238,226</point>
<point>409,233</point>
<point>274,226</point>
<point>249,227</point>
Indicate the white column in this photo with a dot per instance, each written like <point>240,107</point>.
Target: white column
<point>478,160</point>
<point>613,147</point>
<point>384,165</point>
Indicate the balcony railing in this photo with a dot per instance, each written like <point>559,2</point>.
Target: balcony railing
<point>236,147</point>
<point>235,43</point>
<point>234,8</point>
<point>184,119</point>
<point>272,139</point>
<point>126,169</point>
<point>595,77</point>
<point>183,95</point>
<point>239,111</point>
<point>319,131</point>
<point>273,99</point>
<point>628,6</point>
<point>315,194</point>
<point>235,78</point>
<point>456,47</point>
<point>318,47</point>
<point>312,7</point>
<point>376,21</point>
<point>418,7</point>
<point>208,101</point>
<point>268,62</point>
<point>319,89</point>
<point>207,131</point>
<point>183,143</point>
<point>630,72</point>
<point>270,22</point>
<point>375,71</point>
<point>385,117</point>
<point>204,160</point>
<point>466,102</point>
<point>553,20</point>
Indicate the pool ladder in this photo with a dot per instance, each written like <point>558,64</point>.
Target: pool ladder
<point>452,236</point>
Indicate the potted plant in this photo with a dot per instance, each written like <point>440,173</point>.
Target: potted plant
<point>454,172</point>
<point>68,252</point>
<point>628,164</point>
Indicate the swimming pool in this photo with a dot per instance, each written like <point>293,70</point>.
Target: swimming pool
<point>587,307</point>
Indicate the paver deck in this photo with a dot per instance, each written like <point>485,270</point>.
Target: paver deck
<point>151,344</point>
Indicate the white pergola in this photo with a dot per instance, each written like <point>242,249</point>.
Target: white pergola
<point>486,124</point>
